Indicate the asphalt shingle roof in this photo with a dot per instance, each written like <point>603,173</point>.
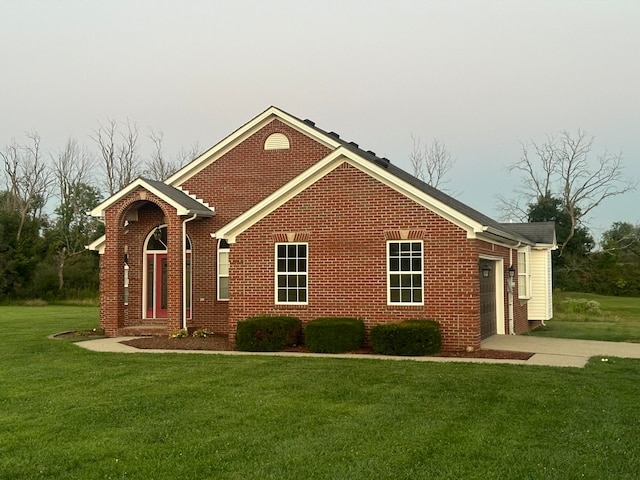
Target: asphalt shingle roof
<point>517,233</point>
<point>180,197</point>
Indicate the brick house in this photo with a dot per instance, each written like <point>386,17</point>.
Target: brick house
<point>283,218</point>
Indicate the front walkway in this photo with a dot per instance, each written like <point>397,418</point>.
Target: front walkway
<point>561,352</point>
<point>555,352</point>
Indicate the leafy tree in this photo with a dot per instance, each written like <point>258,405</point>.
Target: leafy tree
<point>19,256</point>
<point>569,266</point>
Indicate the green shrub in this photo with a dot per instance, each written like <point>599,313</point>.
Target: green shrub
<point>334,334</point>
<point>580,305</point>
<point>268,334</point>
<point>411,337</point>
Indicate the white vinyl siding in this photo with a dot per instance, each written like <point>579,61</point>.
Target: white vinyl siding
<point>540,307</point>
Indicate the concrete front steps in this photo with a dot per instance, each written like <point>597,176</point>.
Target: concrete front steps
<point>144,331</point>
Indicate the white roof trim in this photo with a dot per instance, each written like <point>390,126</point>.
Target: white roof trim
<point>140,182</point>
<point>238,136</point>
<point>97,245</point>
<point>235,227</point>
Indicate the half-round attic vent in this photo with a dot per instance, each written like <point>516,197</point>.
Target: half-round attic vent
<point>276,141</point>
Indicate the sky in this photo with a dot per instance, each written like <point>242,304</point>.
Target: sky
<point>483,77</point>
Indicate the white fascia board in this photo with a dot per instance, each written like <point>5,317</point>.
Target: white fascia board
<point>231,230</point>
<point>99,210</point>
<point>97,245</point>
<point>544,246</point>
<point>139,182</point>
<point>242,133</point>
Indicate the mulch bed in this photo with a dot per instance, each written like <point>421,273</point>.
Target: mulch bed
<point>221,343</point>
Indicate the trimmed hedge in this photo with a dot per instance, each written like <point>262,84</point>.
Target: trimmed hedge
<point>334,334</point>
<point>411,337</point>
<point>268,334</point>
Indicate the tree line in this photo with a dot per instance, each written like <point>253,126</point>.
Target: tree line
<point>45,197</point>
<point>562,179</point>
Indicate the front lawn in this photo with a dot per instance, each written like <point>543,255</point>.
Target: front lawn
<point>66,412</point>
<point>593,317</point>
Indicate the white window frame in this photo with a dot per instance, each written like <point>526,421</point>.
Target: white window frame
<point>411,271</point>
<point>524,273</point>
<point>222,269</point>
<point>286,273</point>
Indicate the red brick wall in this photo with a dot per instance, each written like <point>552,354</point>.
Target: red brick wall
<point>124,236</point>
<point>232,184</point>
<point>347,217</point>
<point>248,173</point>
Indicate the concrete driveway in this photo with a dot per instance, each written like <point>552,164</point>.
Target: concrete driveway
<point>561,352</point>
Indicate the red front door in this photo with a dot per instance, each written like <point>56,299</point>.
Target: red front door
<point>156,285</point>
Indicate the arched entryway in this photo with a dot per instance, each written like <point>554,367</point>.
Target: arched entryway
<point>155,290</point>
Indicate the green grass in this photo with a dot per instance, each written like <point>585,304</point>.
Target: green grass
<point>66,412</point>
<point>617,319</point>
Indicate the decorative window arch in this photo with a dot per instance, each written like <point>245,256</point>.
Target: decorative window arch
<point>277,141</point>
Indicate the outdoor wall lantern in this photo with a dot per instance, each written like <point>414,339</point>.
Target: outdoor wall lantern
<point>512,272</point>
<point>486,270</point>
<point>157,235</point>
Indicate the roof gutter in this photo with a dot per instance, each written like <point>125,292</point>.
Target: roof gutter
<point>502,235</point>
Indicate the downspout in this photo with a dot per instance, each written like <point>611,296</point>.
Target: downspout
<point>511,320</point>
<point>184,270</point>
<point>510,285</point>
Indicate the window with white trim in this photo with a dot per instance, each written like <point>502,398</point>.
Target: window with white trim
<point>223,270</point>
<point>291,273</point>
<point>524,273</point>
<point>405,272</point>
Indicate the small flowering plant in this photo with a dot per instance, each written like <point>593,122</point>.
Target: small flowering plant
<point>201,333</point>
<point>182,333</point>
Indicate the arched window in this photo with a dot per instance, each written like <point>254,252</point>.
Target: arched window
<point>276,141</point>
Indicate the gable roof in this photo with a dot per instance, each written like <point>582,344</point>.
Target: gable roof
<point>493,225</point>
<point>476,223</point>
<point>181,201</point>
<point>384,170</point>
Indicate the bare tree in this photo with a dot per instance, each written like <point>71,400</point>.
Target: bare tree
<point>159,166</point>
<point>185,155</point>
<point>118,151</point>
<point>564,168</point>
<point>28,179</point>
<point>72,169</point>
<point>430,162</point>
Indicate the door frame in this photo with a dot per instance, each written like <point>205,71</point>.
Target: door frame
<point>497,268</point>
<point>158,256</point>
